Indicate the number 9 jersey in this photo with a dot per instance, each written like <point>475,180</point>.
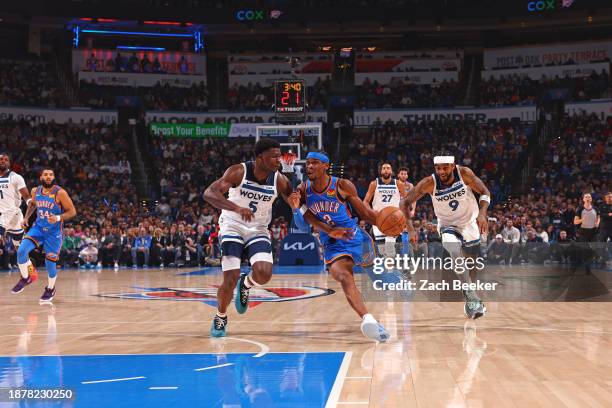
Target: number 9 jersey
<point>454,205</point>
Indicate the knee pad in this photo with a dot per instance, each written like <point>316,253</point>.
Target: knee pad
<point>261,257</point>
<point>229,263</point>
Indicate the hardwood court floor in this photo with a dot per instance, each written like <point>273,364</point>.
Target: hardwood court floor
<point>519,355</point>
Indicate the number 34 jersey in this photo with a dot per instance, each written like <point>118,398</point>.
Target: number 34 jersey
<point>455,204</point>
<point>250,194</point>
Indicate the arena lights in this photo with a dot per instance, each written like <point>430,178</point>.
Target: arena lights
<point>131,47</point>
<point>139,33</point>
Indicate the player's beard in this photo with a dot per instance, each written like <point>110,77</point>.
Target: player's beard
<point>48,185</point>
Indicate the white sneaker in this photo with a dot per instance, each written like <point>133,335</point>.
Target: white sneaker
<point>373,330</point>
<point>99,266</point>
<point>116,265</point>
<point>161,266</point>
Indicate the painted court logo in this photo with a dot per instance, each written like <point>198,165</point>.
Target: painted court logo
<point>208,294</point>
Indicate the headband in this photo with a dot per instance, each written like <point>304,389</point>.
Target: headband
<point>444,159</point>
<point>322,157</point>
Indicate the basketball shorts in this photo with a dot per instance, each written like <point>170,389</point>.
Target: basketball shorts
<point>380,237</point>
<point>49,239</point>
<point>236,238</point>
<point>468,234</point>
<point>360,248</point>
<point>11,221</point>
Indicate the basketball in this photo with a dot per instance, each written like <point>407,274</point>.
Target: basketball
<point>391,221</point>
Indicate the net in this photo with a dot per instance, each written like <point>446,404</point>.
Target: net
<point>288,160</point>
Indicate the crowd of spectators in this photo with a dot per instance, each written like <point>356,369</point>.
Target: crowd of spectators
<point>156,98</point>
<point>30,83</point>
<point>493,151</point>
<point>400,94</point>
<point>521,90</point>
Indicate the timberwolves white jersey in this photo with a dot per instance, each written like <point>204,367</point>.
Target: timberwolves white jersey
<point>385,195</point>
<point>10,197</point>
<point>250,194</point>
<point>455,204</point>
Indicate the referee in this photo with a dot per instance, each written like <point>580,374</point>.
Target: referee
<point>588,220</point>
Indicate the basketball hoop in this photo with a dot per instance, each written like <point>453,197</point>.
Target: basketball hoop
<point>288,160</point>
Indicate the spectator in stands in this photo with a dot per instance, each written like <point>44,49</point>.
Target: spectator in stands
<point>497,251</point>
<point>157,248</point>
<point>110,248</point>
<point>142,245</point>
<point>88,256</point>
<point>70,247</point>
<point>512,237</point>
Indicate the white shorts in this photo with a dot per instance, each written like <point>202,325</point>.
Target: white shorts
<point>11,221</point>
<point>469,233</point>
<point>379,236</point>
<point>235,238</point>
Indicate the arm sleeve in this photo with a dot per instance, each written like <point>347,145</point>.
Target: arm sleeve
<point>298,218</point>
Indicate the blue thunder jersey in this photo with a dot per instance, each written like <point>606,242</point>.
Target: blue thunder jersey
<point>329,207</point>
<point>47,205</point>
<point>332,209</point>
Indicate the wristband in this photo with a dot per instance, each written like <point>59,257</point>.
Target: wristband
<point>58,218</point>
<point>28,201</point>
<point>484,197</point>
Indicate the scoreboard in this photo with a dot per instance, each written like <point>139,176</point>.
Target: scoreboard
<point>290,100</point>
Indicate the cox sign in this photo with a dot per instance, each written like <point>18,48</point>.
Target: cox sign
<point>256,15</point>
<point>548,5</point>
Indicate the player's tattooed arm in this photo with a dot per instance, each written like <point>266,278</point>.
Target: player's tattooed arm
<point>31,208</point>
<point>348,192</point>
<point>66,202</point>
<point>408,203</point>
<point>215,193</point>
<point>370,194</point>
<point>477,185</point>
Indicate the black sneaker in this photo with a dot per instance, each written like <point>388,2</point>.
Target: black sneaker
<point>218,326</point>
<point>47,297</point>
<point>242,295</point>
<point>23,282</point>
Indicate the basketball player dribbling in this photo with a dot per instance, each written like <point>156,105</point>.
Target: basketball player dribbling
<point>53,207</point>
<point>383,192</point>
<point>330,199</point>
<point>461,218</point>
<point>246,213</point>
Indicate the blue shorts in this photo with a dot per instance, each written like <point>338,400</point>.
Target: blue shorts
<point>360,248</point>
<point>50,240</point>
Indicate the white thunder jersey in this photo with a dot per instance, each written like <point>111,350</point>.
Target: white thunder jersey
<point>10,201</point>
<point>385,195</point>
<point>454,205</point>
<point>250,194</point>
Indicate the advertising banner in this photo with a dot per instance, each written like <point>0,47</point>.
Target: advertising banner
<point>561,71</point>
<point>579,53</point>
<point>40,115</point>
<point>139,79</point>
<point>191,130</point>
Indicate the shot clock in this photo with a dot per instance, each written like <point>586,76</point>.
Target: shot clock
<point>290,100</point>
